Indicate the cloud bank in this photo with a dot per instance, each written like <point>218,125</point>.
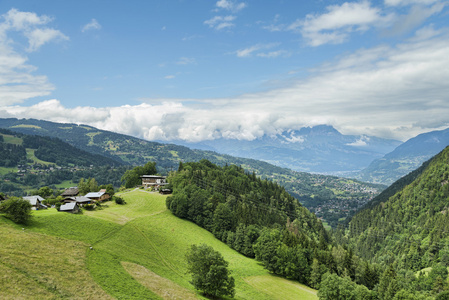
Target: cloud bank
<point>387,91</point>
<point>393,92</point>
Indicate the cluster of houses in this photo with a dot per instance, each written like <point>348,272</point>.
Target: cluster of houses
<point>72,202</point>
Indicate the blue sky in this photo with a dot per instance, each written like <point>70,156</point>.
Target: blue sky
<point>197,70</point>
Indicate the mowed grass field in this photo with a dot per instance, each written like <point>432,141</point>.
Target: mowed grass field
<point>138,252</point>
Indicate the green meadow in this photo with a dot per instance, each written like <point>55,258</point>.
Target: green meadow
<point>132,251</point>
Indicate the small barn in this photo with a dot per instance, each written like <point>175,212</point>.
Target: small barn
<point>36,202</point>
<point>71,207</point>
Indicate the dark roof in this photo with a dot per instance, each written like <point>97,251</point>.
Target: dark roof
<point>73,191</point>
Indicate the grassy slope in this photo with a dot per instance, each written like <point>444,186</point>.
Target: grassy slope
<point>37,264</point>
<point>149,237</point>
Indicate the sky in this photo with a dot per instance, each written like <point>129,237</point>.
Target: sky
<point>199,70</point>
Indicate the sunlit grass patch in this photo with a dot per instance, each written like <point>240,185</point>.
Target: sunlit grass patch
<point>37,265</point>
<point>282,289</point>
<point>163,287</point>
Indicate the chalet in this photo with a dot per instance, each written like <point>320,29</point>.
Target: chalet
<point>153,181</point>
<point>80,200</point>
<point>71,192</point>
<point>36,202</point>
<point>71,207</point>
<point>98,196</point>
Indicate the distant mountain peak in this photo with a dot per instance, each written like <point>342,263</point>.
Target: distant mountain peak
<point>319,130</point>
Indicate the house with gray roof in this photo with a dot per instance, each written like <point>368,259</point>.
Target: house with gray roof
<point>80,200</point>
<point>36,202</point>
<point>98,196</point>
<point>71,207</point>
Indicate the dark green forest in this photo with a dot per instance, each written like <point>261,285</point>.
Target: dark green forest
<point>260,219</point>
<point>407,231</point>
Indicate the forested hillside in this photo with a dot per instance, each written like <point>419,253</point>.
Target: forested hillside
<point>409,230</point>
<point>30,162</point>
<point>15,146</point>
<point>260,219</point>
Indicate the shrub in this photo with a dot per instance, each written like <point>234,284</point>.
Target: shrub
<point>89,206</point>
<point>119,200</point>
<point>17,209</point>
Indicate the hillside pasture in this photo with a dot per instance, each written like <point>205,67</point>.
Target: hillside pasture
<point>38,264</point>
<point>138,252</point>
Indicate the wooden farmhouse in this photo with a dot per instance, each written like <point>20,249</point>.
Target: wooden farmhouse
<point>98,196</point>
<point>71,207</point>
<point>153,181</point>
<point>36,202</point>
<point>71,192</point>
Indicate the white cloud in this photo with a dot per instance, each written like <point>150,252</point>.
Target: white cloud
<point>170,77</point>
<point>426,32</point>
<point>39,37</point>
<point>220,22</point>
<point>340,20</point>
<point>362,142</point>
<point>294,139</point>
<point>230,5</point>
<point>31,26</point>
<point>408,2</point>
<point>94,25</point>
<point>415,17</point>
<point>273,54</point>
<point>17,82</point>
<point>19,20</point>
<point>247,52</point>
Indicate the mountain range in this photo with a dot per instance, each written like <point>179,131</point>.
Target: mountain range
<point>319,149</point>
<point>405,158</point>
<point>321,193</point>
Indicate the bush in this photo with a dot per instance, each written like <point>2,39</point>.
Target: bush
<point>16,209</point>
<point>89,206</point>
<point>119,200</point>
